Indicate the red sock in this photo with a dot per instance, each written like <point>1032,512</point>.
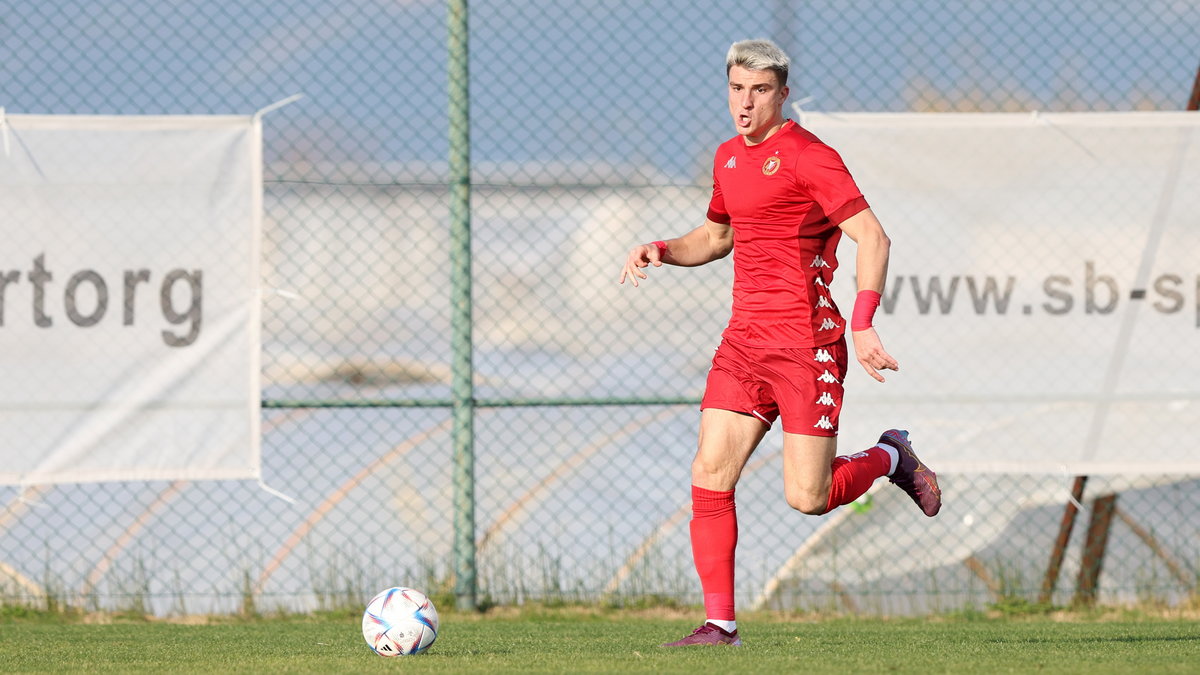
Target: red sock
<point>854,474</point>
<point>714,539</point>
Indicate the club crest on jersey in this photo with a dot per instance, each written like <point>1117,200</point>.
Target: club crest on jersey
<point>771,166</point>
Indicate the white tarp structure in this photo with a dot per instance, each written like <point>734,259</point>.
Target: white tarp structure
<point>129,301</point>
<point>1044,291</point>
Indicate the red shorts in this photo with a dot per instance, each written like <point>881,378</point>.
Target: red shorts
<point>803,386</point>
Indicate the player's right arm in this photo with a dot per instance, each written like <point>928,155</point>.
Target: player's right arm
<point>711,241</point>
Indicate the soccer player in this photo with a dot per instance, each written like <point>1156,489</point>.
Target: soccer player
<point>781,201</point>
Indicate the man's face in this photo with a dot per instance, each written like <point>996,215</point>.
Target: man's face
<point>755,102</point>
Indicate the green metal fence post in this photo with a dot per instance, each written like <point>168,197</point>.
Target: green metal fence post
<point>462,388</point>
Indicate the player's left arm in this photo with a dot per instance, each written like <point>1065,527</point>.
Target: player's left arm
<point>871,264</point>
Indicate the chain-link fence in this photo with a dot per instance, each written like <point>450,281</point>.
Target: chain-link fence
<point>592,128</point>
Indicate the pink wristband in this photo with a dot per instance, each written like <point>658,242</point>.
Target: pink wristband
<point>662,249</point>
<point>865,304</point>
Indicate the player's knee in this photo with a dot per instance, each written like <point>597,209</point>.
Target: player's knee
<point>808,502</point>
<point>704,473</point>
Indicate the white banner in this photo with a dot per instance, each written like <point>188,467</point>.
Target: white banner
<point>129,305</point>
<point>1043,297</point>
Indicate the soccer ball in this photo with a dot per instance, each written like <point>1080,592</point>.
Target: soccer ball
<point>400,621</point>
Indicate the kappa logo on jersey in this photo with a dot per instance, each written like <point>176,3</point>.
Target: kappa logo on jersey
<point>819,262</point>
<point>823,301</point>
<point>823,423</point>
<point>823,356</point>
<point>827,377</point>
<point>827,324</point>
<point>826,399</point>
<point>771,166</point>
<point>732,163</point>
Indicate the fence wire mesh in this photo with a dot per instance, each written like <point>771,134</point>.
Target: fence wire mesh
<point>592,129</point>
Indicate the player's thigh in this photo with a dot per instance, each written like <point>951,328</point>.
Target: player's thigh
<point>807,472</point>
<point>727,439</point>
<point>807,385</point>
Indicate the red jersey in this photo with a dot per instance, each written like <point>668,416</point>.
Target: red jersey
<point>784,199</point>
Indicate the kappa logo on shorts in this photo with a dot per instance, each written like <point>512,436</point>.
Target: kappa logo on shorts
<point>823,356</point>
<point>823,301</point>
<point>826,399</point>
<point>827,377</point>
<point>827,324</point>
<point>819,262</point>
<point>823,423</point>
<point>732,163</point>
<point>820,282</point>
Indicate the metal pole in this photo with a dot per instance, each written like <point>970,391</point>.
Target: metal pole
<point>1050,581</point>
<point>1194,99</point>
<point>462,386</point>
<point>1088,586</point>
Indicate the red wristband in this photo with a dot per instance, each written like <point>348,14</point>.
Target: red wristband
<point>662,249</point>
<point>865,305</point>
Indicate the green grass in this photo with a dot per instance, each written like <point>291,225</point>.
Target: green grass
<point>580,641</point>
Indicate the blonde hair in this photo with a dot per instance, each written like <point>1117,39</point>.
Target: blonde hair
<point>759,55</point>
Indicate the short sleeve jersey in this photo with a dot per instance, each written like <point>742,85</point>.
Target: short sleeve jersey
<point>784,199</point>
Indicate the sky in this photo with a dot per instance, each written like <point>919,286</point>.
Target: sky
<point>622,86</point>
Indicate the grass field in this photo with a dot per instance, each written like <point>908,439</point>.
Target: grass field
<point>581,641</point>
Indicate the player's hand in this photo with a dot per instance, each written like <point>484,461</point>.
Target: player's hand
<point>871,354</point>
<point>639,258</point>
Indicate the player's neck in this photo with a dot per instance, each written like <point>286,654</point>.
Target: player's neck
<point>752,141</point>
